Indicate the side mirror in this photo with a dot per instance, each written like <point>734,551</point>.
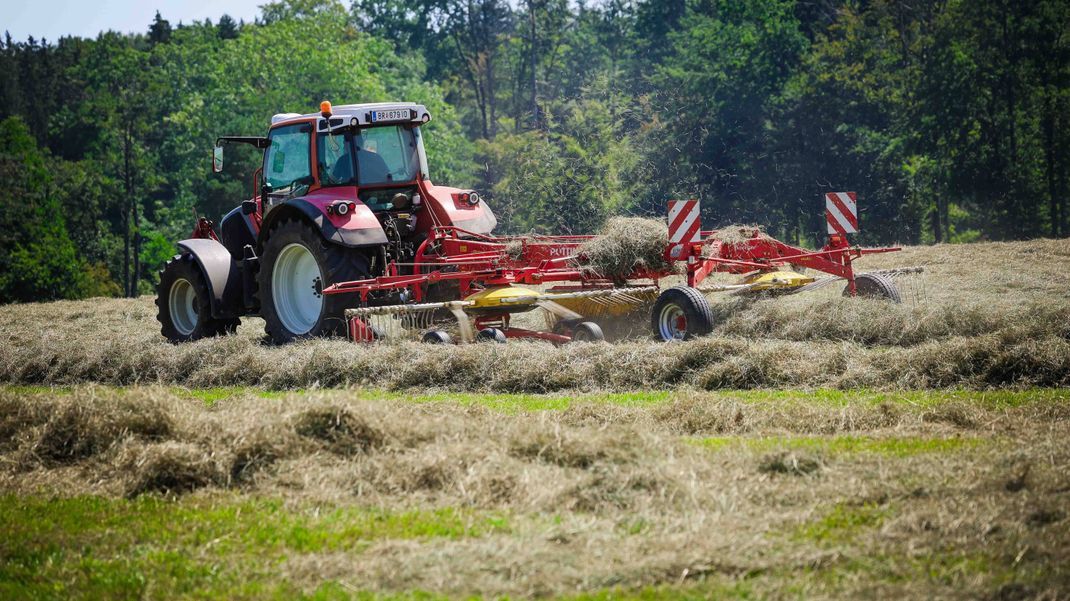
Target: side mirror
<point>217,159</point>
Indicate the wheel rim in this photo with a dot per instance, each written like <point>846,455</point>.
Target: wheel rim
<point>296,287</point>
<point>672,323</point>
<point>182,304</point>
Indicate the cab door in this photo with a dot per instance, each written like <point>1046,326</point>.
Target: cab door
<point>287,163</point>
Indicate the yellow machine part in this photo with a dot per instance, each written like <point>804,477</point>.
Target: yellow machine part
<point>515,299</point>
<point>511,299</point>
<point>776,280</point>
<point>596,307</point>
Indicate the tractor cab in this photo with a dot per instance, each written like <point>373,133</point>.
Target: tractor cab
<point>375,148</point>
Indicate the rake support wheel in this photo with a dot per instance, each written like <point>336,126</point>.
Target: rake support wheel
<point>874,285</point>
<point>588,331</point>
<point>681,313</point>
<point>437,337</point>
<point>491,335</point>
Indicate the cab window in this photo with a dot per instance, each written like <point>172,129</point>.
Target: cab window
<point>335,158</point>
<point>287,159</point>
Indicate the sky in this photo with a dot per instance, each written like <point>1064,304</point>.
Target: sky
<point>51,19</point>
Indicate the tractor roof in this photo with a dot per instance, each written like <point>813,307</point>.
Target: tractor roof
<point>367,114</point>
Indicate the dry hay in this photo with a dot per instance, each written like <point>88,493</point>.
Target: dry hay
<point>514,248</point>
<point>793,464</point>
<point>257,450</point>
<point>737,235</point>
<point>169,467</point>
<point>602,495</point>
<point>339,430</point>
<point>67,432</point>
<point>624,245</point>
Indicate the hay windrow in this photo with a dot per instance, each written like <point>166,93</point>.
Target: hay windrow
<point>75,431</point>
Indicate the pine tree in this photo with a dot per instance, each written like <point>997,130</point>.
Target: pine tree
<point>160,30</point>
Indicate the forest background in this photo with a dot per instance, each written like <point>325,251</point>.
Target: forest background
<point>949,118</point>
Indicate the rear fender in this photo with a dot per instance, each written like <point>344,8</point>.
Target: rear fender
<point>220,272</point>
<point>369,234</point>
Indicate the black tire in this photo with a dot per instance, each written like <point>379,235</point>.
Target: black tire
<point>229,326</point>
<point>491,335</point>
<point>681,303</point>
<point>874,285</point>
<point>588,331</point>
<point>335,264</point>
<point>182,274</point>
<point>437,337</point>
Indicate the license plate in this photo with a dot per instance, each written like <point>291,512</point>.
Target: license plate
<point>391,115</point>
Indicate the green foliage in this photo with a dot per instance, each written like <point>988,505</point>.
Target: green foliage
<point>37,258</point>
<point>588,166</point>
<point>949,119</point>
<point>46,265</point>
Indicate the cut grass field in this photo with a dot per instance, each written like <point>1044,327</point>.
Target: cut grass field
<point>169,492</point>
<point>981,316</point>
<point>813,446</point>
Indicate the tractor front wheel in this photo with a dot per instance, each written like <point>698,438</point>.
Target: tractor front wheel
<point>184,307</point>
<point>681,313</point>
<point>297,264</point>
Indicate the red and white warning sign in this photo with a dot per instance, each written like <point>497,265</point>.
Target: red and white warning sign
<point>841,212</point>
<point>685,225</point>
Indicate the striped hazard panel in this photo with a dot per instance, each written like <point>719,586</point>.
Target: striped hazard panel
<point>841,212</point>
<point>684,222</point>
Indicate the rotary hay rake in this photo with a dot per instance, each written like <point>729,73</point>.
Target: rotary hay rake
<point>463,286</point>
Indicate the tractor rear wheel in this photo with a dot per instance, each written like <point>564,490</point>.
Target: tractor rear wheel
<point>184,307</point>
<point>681,313</point>
<point>297,264</point>
<point>874,285</point>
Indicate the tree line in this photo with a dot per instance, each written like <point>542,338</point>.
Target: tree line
<point>948,117</point>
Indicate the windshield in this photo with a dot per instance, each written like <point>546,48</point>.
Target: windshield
<point>386,154</point>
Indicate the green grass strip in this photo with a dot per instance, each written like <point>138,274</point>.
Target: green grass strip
<point>847,444</point>
<point>94,547</point>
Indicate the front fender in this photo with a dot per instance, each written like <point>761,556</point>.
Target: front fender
<point>220,273</point>
<point>372,235</point>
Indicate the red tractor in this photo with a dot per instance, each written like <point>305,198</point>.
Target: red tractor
<point>342,194</point>
<point>345,226</point>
